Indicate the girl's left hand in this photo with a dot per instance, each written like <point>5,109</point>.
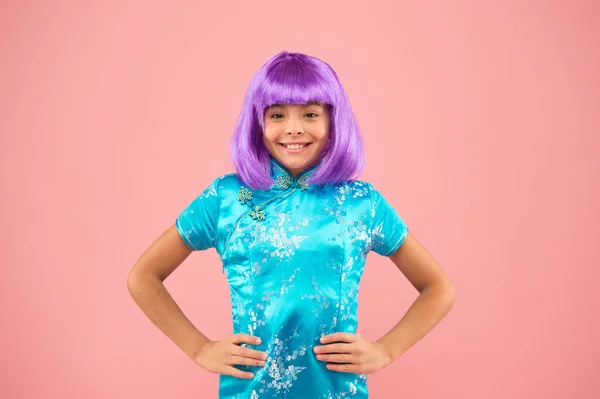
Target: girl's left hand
<point>359,355</point>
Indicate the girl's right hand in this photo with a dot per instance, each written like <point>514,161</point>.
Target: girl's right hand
<point>220,356</point>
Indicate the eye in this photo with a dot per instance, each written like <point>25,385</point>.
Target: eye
<point>279,116</point>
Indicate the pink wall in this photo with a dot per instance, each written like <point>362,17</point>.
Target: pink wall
<point>481,124</point>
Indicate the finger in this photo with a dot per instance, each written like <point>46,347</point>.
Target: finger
<point>338,337</point>
<point>344,368</point>
<point>247,352</point>
<point>335,348</point>
<point>245,338</point>
<point>245,361</point>
<point>228,370</point>
<point>337,358</point>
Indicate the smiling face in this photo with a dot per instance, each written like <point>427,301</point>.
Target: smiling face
<point>296,134</point>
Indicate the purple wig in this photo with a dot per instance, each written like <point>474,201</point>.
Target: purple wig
<point>295,78</point>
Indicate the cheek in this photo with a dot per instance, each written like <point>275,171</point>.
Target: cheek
<point>322,135</point>
<point>270,134</point>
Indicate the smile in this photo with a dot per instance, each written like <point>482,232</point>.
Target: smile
<point>294,148</point>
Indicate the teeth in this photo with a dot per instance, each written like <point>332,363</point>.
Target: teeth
<point>295,146</point>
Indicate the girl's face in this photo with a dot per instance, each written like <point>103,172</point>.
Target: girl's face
<point>306,125</point>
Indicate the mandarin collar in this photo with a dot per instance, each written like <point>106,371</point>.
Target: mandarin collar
<point>284,179</point>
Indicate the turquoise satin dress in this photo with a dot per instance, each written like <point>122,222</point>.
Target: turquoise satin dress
<point>294,256</point>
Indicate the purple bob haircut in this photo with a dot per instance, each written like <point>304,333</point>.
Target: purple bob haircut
<point>295,78</point>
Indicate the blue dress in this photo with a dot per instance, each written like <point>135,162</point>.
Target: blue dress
<point>294,256</point>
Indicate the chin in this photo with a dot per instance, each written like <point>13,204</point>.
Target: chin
<point>299,164</point>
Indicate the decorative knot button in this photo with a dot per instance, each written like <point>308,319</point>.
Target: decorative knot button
<point>285,182</point>
<point>245,197</point>
<point>302,182</point>
<point>257,213</point>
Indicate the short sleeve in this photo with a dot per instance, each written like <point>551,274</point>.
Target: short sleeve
<point>388,229</point>
<point>197,223</point>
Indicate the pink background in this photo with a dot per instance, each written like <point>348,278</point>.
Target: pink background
<point>481,124</point>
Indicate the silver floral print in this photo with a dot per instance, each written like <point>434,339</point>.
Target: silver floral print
<point>293,276</point>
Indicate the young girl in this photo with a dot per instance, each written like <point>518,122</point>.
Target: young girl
<point>293,228</point>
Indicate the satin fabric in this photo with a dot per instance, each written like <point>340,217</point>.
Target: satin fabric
<point>293,256</point>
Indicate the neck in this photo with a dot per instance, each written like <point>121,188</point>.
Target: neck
<point>294,172</point>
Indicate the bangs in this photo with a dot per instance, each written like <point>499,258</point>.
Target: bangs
<point>293,83</point>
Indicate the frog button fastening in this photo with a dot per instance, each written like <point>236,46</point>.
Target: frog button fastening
<point>302,182</point>
<point>257,213</point>
<point>283,181</point>
<point>244,195</point>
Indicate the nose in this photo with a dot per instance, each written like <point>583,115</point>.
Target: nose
<point>294,130</point>
<point>294,127</point>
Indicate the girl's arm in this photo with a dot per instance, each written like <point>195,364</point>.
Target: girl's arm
<point>434,302</point>
<point>145,284</point>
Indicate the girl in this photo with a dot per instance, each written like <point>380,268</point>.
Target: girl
<point>293,228</point>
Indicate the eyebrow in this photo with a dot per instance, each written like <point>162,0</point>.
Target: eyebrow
<point>312,102</point>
